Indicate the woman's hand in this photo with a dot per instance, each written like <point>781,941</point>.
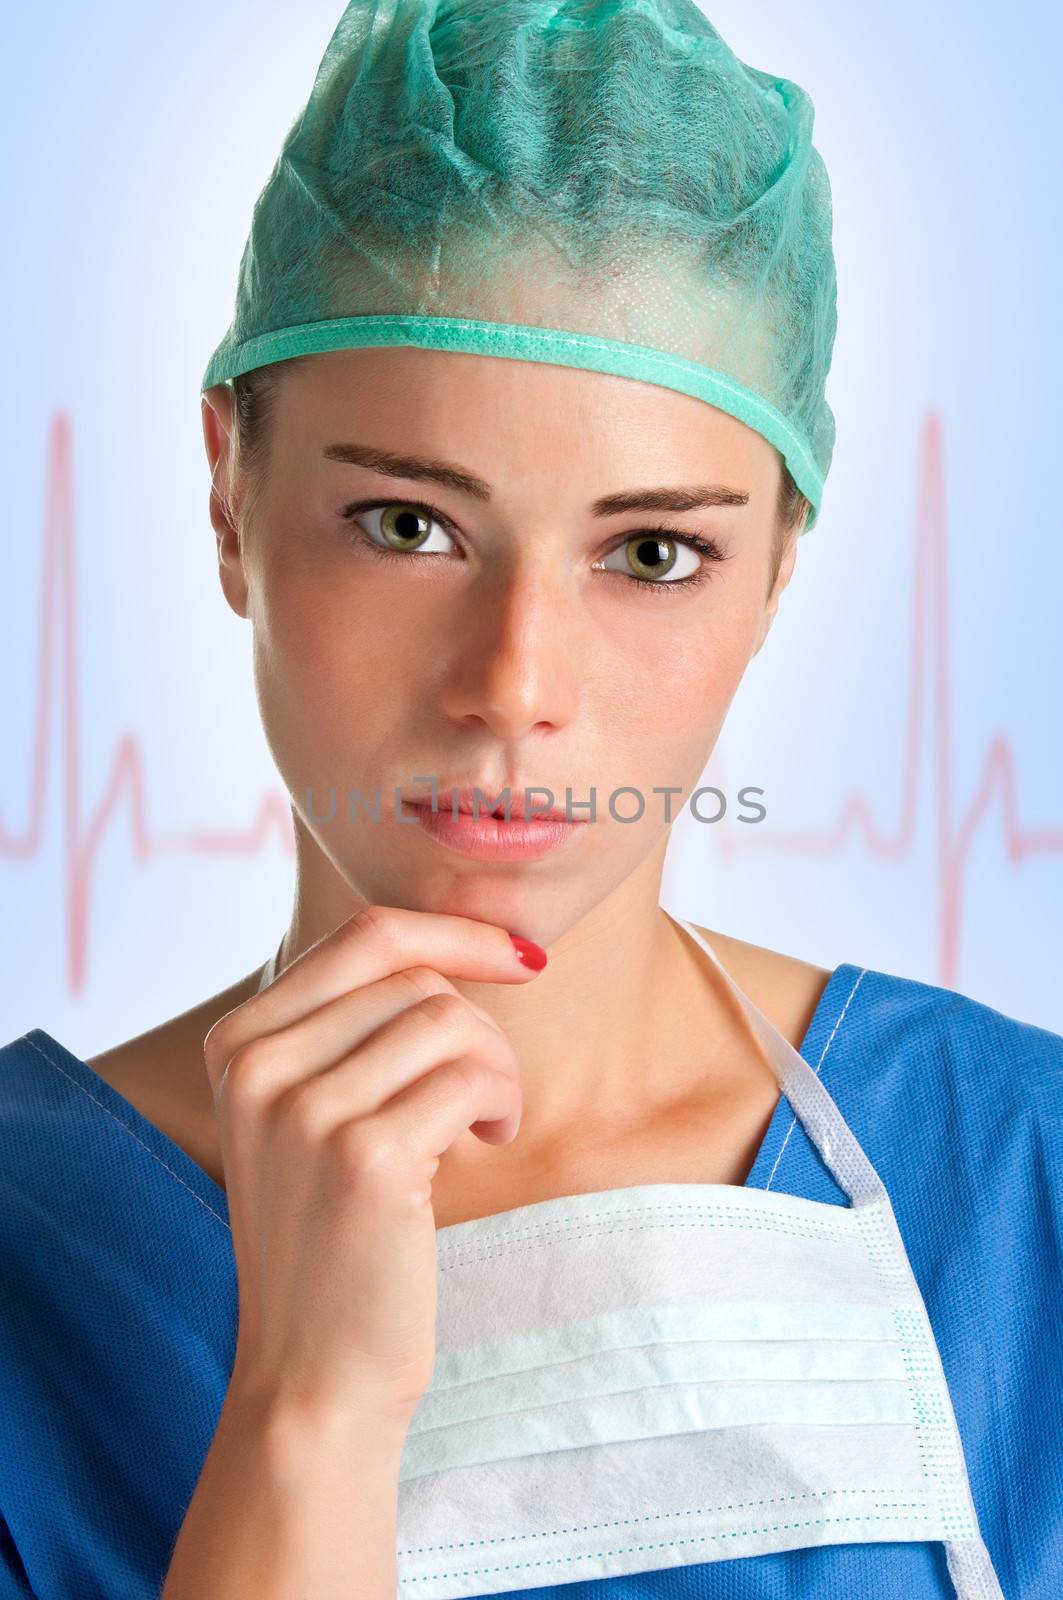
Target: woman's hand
<point>337,1089</point>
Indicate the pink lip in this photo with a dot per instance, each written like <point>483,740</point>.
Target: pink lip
<point>491,838</point>
<point>480,801</point>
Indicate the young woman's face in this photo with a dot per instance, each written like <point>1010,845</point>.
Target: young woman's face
<point>511,634</point>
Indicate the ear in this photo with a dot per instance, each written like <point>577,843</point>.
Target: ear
<point>218,436</point>
<point>786,570</point>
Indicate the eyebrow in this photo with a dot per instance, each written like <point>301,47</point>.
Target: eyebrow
<point>392,465</point>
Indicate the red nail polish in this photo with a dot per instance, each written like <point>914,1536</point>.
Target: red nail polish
<point>533,955</point>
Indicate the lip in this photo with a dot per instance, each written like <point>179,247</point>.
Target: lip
<point>447,793</point>
<point>490,838</point>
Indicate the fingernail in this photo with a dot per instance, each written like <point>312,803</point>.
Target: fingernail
<point>533,955</point>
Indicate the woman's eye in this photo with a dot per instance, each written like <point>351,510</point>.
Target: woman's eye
<point>652,556</point>
<point>400,528</point>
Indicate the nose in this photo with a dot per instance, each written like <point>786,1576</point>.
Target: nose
<point>512,660</point>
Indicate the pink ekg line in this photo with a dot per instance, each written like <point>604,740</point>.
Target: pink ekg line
<point>930,632</point>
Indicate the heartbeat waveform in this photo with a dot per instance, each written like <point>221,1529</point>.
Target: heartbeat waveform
<point>930,637</point>
<point>953,841</point>
<point>59,613</point>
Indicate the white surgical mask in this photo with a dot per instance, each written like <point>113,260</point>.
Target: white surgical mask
<point>674,1373</point>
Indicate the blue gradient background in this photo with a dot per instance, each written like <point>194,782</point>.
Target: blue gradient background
<point>135,142</point>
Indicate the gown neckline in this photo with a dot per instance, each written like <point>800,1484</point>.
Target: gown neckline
<point>190,1175</point>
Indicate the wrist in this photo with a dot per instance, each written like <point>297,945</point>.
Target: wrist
<point>300,1436</point>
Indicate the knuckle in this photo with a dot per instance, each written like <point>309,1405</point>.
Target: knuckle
<point>425,981</point>
<point>469,1072</point>
<point>362,1152</point>
<point>420,983</point>
<point>379,921</point>
<point>301,1109</point>
<point>246,1077</point>
<point>445,1009</point>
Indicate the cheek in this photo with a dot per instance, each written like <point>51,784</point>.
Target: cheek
<point>668,678</point>
<point>656,719</point>
<point>326,658</point>
<point>679,693</point>
<point>338,619</point>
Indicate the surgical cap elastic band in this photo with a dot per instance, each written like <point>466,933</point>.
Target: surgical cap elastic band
<point>524,343</point>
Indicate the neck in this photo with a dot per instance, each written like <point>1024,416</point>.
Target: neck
<point>620,1023</point>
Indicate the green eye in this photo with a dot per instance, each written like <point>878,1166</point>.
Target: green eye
<point>649,557</point>
<point>652,558</point>
<point>405,527</point>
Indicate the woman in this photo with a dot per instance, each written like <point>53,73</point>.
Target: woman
<point>700,1268</point>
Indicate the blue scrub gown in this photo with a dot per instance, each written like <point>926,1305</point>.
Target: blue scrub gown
<point>118,1302</point>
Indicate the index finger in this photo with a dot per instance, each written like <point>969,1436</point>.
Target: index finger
<point>372,944</point>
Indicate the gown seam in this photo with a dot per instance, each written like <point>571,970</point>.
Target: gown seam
<point>822,1056</point>
<point>127,1129</point>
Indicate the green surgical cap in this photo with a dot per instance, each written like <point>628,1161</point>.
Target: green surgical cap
<point>595,183</point>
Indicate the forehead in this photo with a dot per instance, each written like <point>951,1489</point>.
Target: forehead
<point>531,415</point>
